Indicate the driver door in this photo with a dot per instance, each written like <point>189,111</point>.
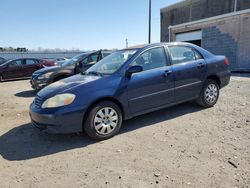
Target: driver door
<point>154,86</point>
<point>13,69</point>
<point>30,66</point>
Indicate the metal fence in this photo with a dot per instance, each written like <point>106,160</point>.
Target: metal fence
<point>41,55</point>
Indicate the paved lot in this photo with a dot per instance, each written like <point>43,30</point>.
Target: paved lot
<point>182,146</point>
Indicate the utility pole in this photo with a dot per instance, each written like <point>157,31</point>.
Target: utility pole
<point>149,23</point>
<point>235,5</point>
<point>126,43</point>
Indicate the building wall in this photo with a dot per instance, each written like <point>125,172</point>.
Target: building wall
<point>227,36</point>
<point>220,43</point>
<point>191,10</point>
<point>230,38</point>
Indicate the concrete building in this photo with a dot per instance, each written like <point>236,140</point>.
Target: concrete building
<point>220,26</point>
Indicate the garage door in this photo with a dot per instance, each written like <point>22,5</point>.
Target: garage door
<point>189,36</point>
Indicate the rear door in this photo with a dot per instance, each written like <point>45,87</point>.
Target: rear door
<point>154,86</point>
<point>189,71</point>
<point>30,66</point>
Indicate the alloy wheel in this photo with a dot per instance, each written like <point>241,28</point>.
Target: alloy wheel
<point>211,93</point>
<point>105,121</point>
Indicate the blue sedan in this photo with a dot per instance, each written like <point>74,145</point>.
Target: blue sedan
<point>129,83</point>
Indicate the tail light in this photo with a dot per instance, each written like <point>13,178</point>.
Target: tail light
<point>226,61</point>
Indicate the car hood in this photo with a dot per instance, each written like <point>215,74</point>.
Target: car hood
<point>52,69</point>
<point>46,69</point>
<point>64,85</point>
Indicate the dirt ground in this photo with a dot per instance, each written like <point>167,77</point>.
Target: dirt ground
<point>182,146</point>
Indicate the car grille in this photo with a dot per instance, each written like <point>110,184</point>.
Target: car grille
<point>38,101</point>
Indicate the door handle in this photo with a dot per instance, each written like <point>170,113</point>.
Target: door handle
<point>200,65</point>
<point>167,73</point>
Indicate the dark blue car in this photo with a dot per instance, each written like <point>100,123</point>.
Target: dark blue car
<point>128,83</point>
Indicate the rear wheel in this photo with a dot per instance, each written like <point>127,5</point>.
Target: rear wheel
<point>103,121</point>
<point>209,94</point>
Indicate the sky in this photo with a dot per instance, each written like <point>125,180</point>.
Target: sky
<point>79,24</point>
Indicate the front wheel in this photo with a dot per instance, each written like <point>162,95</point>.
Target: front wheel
<point>103,121</point>
<point>209,94</point>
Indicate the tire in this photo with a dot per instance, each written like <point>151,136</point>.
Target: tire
<point>103,120</point>
<point>1,78</point>
<point>209,94</point>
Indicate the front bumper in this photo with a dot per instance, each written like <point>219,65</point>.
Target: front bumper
<point>57,121</point>
<point>39,84</point>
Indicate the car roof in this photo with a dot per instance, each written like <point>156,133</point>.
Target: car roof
<point>24,58</point>
<point>140,46</point>
<point>146,46</point>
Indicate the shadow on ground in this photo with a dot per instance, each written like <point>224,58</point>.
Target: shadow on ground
<point>26,142</point>
<point>14,80</point>
<point>26,94</point>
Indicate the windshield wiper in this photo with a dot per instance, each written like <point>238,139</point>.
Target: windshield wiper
<point>95,73</point>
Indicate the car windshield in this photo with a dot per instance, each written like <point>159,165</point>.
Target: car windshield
<point>74,60</point>
<point>2,60</point>
<point>111,63</point>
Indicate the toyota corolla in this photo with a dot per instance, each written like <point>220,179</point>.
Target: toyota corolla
<point>129,83</point>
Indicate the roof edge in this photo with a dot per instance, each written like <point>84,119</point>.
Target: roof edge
<point>247,11</point>
<point>179,4</point>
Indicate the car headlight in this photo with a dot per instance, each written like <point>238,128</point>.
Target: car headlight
<point>59,100</point>
<point>45,76</point>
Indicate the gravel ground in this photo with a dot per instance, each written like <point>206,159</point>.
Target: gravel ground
<point>182,146</point>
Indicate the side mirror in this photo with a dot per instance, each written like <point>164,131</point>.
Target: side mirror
<point>133,69</point>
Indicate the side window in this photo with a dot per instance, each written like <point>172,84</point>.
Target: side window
<point>151,59</point>
<point>181,54</point>
<point>197,55</point>
<point>92,59</point>
<point>15,63</point>
<point>105,54</point>
<point>30,62</point>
